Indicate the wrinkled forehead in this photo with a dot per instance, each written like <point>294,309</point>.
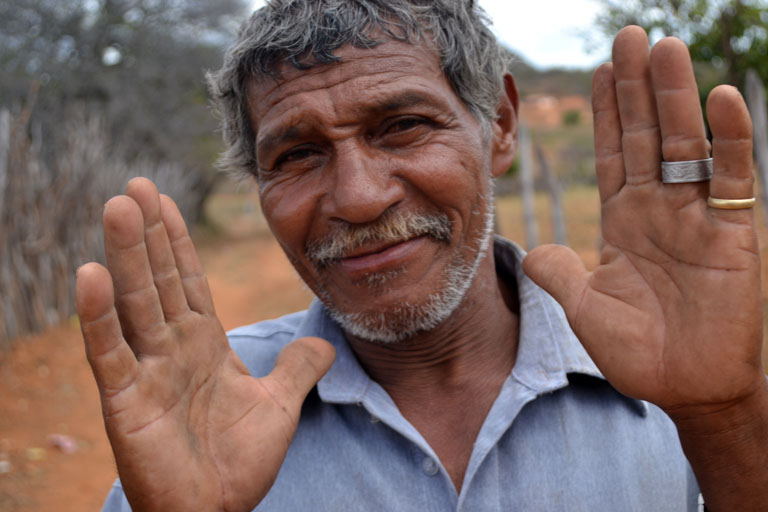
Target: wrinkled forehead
<point>360,72</point>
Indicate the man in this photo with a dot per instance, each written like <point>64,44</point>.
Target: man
<point>374,130</point>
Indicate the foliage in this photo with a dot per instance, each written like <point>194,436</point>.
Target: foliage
<point>514,168</point>
<point>92,93</point>
<point>730,35</point>
<point>51,218</point>
<point>138,62</point>
<point>571,118</point>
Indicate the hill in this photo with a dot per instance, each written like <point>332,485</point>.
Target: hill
<point>553,81</point>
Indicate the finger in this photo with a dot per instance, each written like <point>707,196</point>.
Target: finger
<point>559,271</point>
<point>112,360</point>
<point>138,304</point>
<point>641,144</point>
<point>161,260</point>
<point>731,149</point>
<point>298,368</point>
<point>683,136</point>
<point>609,159</point>
<point>193,279</point>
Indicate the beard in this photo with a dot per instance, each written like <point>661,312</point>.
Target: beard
<point>402,321</point>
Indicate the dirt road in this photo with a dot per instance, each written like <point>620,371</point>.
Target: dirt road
<point>46,387</point>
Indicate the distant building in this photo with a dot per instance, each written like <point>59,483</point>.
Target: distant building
<point>541,110</point>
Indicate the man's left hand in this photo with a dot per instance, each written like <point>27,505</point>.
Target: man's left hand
<point>673,313</point>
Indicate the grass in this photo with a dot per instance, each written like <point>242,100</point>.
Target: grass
<point>582,220</point>
<point>234,212</point>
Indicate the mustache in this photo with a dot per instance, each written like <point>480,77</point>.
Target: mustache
<point>391,227</point>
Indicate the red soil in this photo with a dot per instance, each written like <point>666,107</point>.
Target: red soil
<point>46,386</point>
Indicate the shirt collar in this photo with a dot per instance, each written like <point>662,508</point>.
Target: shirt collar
<point>547,352</point>
<point>346,381</point>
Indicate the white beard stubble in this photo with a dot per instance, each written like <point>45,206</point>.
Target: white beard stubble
<point>405,320</point>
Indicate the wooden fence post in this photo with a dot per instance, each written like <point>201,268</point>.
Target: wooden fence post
<point>5,301</point>
<point>755,96</point>
<point>556,195</point>
<point>5,148</point>
<point>526,182</point>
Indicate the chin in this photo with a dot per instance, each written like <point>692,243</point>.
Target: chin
<point>404,320</point>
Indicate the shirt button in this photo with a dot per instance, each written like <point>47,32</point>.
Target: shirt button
<point>373,419</point>
<point>429,466</point>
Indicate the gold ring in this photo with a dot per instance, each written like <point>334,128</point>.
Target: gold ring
<point>731,204</point>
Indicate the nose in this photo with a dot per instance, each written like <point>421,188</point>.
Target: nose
<point>364,184</point>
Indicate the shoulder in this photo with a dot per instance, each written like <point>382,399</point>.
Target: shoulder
<point>116,501</point>
<point>608,426</point>
<point>258,344</point>
<point>587,435</point>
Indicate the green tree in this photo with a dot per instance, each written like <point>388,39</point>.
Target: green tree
<point>138,63</point>
<point>725,37</point>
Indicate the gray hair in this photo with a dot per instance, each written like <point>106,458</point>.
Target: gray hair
<point>305,33</point>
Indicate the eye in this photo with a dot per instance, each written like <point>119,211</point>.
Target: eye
<point>294,155</point>
<point>296,160</point>
<point>404,124</point>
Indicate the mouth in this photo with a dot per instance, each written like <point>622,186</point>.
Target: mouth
<point>393,233</point>
<point>372,248</point>
<point>380,257</point>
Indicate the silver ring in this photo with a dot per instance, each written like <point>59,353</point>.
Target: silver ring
<point>686,172</point>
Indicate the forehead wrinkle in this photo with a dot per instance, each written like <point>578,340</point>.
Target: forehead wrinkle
<point>378,98</point>
<point>374,104</point>
<point>284,133</point>
<point>347,79</point>
<point>387,57</point>
<point>399,101</point>
<point>360,69</point>
<point>290,122</point>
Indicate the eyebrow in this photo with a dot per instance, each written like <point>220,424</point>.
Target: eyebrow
<point>281,135</point>
<point>398,101</point>
<point>388,104</point>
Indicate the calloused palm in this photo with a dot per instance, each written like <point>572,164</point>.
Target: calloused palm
<point>672,313</point>
<point>189,427</point>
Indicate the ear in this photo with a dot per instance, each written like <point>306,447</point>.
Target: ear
<point>504,143</point>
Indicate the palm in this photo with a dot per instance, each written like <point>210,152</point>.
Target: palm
<point>185,409</point>
<point>669,301</point>
<point>189,427</point>
<point>671,314</point>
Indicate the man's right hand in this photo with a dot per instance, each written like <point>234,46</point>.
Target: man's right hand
<point>189,427</point>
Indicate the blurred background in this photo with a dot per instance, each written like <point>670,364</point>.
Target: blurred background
<point>95,92</point>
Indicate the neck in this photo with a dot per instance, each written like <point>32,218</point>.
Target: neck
<point>477,341</point>
<point>445,381</point>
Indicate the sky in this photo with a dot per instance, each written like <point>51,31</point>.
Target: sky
<point>546,33</point>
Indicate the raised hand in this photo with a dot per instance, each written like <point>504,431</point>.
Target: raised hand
<point>673,313</point>
<point>189,427</point>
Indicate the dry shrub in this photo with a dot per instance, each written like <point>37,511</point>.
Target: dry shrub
<point>50,213</point>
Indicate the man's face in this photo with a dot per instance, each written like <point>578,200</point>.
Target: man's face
<point>375,181</point>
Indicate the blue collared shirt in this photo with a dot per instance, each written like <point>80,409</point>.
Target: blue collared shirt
<point>558,436</point>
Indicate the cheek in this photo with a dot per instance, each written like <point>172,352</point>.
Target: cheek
<point>289,210</point>
<point>455,177</point>
<point>451,175</point>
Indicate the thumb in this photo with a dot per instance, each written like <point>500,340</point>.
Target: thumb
<point>299,366</point>
<point>560,272</point>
